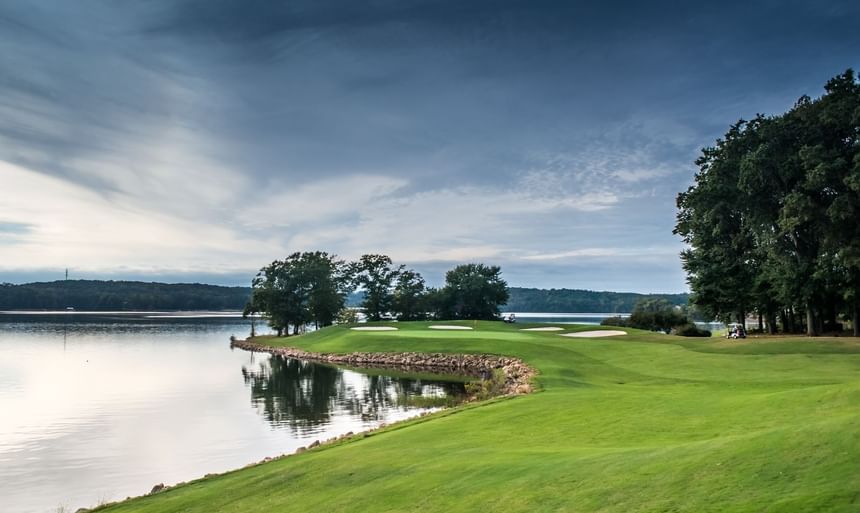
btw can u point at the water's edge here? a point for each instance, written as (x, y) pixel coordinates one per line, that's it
(519, 378)
(518, 375)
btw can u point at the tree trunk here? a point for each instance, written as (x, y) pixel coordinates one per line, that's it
(854, 320)
(810, 322)
(771, 323)
(760, 323)
(796, 324)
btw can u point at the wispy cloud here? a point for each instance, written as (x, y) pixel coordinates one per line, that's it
(586, 252)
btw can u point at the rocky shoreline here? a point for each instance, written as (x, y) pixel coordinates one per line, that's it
(518, 375)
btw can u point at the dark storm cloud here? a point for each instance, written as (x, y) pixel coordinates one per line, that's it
(443, 88)
(519, 99)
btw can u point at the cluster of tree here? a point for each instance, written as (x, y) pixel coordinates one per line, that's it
(312, 288)
(304, 288)
(574, 300)
(120, 295)
(658, 314)
(772, 219)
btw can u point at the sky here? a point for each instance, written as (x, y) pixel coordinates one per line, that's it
(198, 140)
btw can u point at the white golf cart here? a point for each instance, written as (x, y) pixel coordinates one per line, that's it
(736, 330)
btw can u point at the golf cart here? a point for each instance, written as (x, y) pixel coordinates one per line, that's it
(510, 318)
(736, 330)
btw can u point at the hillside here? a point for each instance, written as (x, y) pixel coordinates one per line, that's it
(137, 295)
(575, 300)
(121, 295)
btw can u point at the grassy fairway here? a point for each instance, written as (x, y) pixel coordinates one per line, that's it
(625, 424)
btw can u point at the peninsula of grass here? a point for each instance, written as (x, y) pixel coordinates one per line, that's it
(635, 423)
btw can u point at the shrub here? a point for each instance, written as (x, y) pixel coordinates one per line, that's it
(690, 330)
(656, 315)
(614, 321)
(490, 386)
(347, 316)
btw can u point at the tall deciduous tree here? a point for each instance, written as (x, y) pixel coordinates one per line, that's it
(711, 220)
(475, 291)
(376, 275)
(302, 288)
(408, 302)
(328, 283)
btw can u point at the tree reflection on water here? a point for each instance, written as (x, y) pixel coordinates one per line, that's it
(305, 396)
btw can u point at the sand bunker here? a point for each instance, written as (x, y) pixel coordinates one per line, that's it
(375, 328)
(448, 327)
(544, 328)
(595, 334)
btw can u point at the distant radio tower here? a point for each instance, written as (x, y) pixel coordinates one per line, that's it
(66, 292)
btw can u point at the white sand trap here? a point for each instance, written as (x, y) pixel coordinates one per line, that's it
(375, 328)
(544, 328)
(595, 334)
(448, 327)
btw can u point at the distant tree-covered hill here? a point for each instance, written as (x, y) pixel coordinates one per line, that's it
(136, 295)
(121, 295)
(566, 300)
(573, 300)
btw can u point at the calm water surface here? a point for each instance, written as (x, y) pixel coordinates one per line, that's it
(565, 318)
(95, 409)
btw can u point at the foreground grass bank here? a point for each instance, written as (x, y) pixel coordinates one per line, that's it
(624, 424)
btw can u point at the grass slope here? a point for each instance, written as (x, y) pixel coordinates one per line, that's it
(626, 424)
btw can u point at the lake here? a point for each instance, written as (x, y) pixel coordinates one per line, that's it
(96, 408)
(565, 318)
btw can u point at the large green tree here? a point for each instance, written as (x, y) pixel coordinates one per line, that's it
(474, 291)
(329, 281)
(309, 287)
(408, 302)
(834, 162)
(771, 220)
(712, 222)
(376, 275)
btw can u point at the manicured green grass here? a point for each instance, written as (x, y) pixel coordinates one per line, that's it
(636, 423)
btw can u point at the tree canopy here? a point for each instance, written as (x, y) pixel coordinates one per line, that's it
(376, 275)
(475, 291)
(771, 220)
(408, 302)
(304, 288)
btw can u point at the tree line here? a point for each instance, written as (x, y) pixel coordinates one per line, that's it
(135, 295)
(772, 217)
(120, 295)
(576, 300)
(310, 288)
